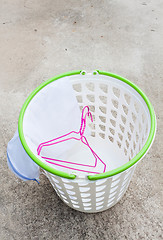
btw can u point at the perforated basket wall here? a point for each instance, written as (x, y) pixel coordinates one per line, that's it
(122, 118)
(92, 196)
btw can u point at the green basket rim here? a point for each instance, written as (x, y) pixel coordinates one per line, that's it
(96, 176)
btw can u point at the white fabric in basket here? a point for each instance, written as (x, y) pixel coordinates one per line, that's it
(52, 112)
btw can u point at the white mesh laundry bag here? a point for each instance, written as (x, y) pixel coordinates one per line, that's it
(122, 132)
(44, 119)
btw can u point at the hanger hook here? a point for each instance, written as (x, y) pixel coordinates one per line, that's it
(83, 119)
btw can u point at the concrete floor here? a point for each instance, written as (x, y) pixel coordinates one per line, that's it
(39, 39)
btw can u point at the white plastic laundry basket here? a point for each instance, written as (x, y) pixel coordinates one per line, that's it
(122, 133)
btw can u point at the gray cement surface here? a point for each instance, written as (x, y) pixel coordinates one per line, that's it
(40, 39)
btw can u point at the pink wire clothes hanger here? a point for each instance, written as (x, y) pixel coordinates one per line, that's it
(79, 137)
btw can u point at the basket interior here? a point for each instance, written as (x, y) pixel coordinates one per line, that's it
(121, 123)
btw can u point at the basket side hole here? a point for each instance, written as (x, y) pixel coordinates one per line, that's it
(116, 92)
(103, 99)
(114, 113)
(123, 119)
(119, 144)
(111, 139)
(84, 189)
(102, 127)
(86, 204)
(84, 195)
(113, 122)
(127, 144)
(98, 208)
(99, 203)
(102, 135)
(79, 99)
(86, 200)
(77, 87)
(104, 87)
(99, 194)
(127, 98)
(133, 117)
(92, 108)
(125, 109)
(91, 98)
(125, 151)
(102, 109)
(90, 86)
(103, 119)
(120, 136)
(115, 103)
(99, 199)
(87, 208)
(67, 186)
(122, 128)
(100, 188)
(129, 136)
(131, 127)
(112, 131)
